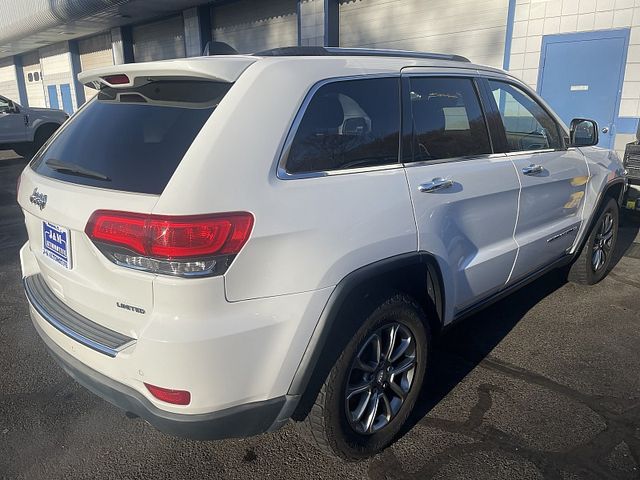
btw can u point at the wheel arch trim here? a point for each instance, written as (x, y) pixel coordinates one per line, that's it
(342, 294)
(602, 196)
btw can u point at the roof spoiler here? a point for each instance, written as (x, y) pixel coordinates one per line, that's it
(227, 69)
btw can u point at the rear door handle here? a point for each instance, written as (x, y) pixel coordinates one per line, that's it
(436, 184)
(533, 169)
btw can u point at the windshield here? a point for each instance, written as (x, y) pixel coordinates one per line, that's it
(131, 139)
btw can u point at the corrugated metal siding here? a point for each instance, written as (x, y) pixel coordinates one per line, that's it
(95, 52)
(35, 89)
(8, 82)
(21, 18)
(475, 29)
(253, 25)
(159, 40)
(56, 69)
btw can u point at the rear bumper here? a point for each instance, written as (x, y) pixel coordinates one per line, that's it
(236, 359)
(240, 421)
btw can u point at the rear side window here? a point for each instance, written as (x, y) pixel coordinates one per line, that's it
(447, 119)
(528, 126)
(131, 139)
(348, 124)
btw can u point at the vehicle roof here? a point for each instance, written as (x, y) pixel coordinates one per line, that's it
(228, 68)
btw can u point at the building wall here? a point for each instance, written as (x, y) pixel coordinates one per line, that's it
(35, 89)
(56, 70)
(253, 25)
(8, 81)
(311, 23)
(535, 18)
(475, 29)
(95, 52)
(159, 40)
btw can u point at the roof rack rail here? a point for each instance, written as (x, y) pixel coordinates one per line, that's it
(365, 52)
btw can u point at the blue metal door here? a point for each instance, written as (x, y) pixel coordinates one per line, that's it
(53, 96)
(65, 92)
(581, 75)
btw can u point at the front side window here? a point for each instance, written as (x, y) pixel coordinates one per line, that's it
(4, 105)
(447, 119)
(528, 126)
(348, 124)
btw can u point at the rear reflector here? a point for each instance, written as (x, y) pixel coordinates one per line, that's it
(177, 397)
(173, 245)
(120, 79)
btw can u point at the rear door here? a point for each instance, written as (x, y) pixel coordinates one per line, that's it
(116, 154)
(465, 197)
(553, 177)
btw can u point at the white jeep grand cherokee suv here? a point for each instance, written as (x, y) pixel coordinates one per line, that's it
(25, 129)
(220, 244)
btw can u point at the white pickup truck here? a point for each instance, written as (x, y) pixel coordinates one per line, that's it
(25, 129)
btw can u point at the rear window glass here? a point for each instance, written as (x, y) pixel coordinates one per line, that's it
(131, 139)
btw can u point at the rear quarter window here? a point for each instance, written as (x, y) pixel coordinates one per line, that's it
(131, 139)
(348, 124)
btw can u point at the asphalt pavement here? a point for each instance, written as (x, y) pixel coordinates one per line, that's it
(544, 384)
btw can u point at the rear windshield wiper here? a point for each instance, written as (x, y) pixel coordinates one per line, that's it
(73, 169)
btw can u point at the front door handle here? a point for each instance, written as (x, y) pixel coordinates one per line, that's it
(436, 184)
(533, 169)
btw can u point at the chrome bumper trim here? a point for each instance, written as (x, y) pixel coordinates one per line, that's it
(71, 323)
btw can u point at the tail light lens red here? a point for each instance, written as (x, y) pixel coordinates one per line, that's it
(177, 397)
(174, 245)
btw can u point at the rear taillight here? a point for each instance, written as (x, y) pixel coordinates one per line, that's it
(172, 245)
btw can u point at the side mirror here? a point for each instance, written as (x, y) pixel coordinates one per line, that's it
(583, 132)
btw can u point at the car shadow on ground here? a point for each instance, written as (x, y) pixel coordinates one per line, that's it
(461, 348)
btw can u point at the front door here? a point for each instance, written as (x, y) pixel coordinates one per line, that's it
(465, 198)
(581, 77)
(12, 125)
(553, 179)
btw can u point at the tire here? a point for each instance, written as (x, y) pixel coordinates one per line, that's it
(25, 150)
(594, 261)
(328, 426)
(28, 150)
(42, 135)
